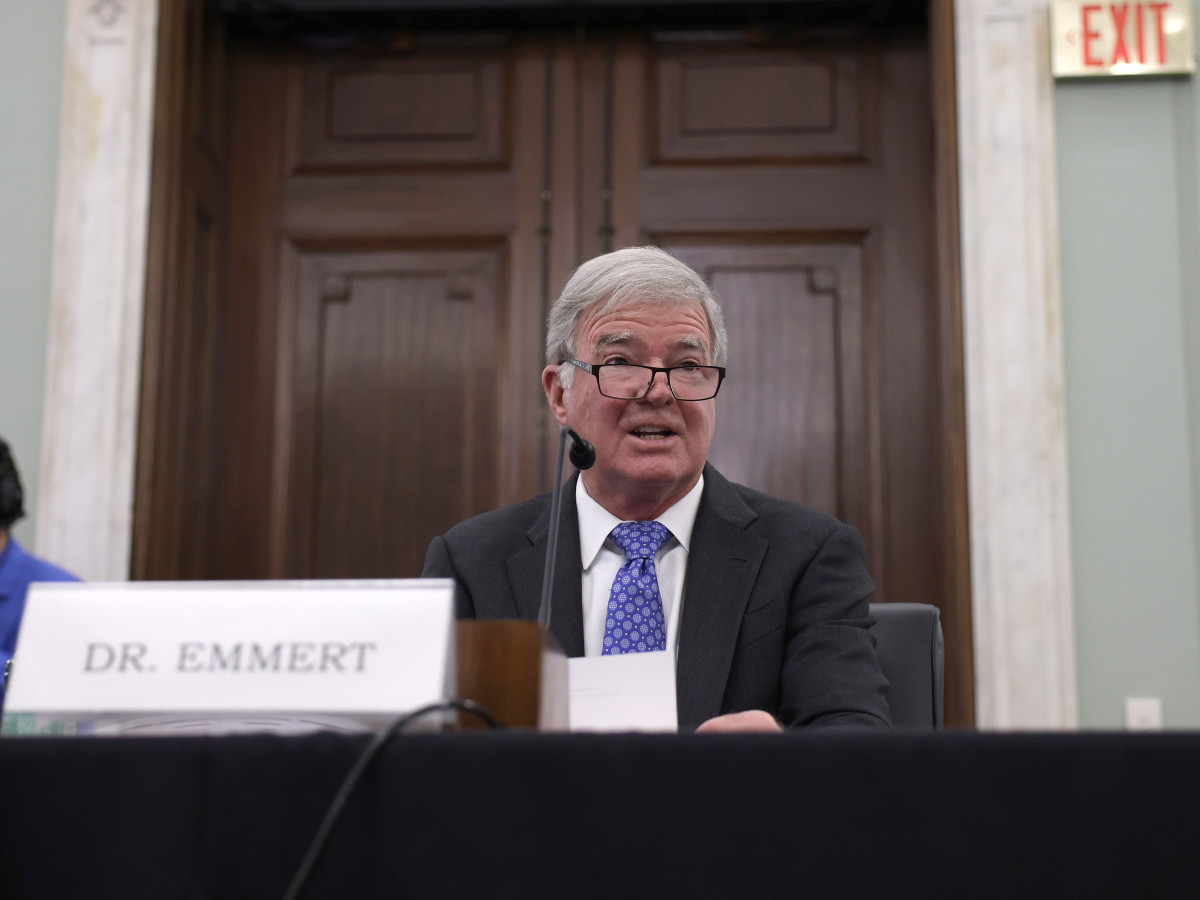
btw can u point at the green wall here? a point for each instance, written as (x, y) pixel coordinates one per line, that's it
(31, 63)
(1128, 206)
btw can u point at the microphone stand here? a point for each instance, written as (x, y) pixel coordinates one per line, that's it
(583, 455)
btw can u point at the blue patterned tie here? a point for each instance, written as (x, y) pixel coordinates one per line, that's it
(635, 621)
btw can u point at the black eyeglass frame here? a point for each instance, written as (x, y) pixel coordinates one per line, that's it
(594, 370)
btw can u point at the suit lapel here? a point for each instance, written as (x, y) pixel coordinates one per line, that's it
(723, 563)
(526, 568)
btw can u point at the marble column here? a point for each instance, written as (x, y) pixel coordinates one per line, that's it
(1012, 323)
(94, 352)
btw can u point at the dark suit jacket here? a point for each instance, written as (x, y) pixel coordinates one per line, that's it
(774, 602)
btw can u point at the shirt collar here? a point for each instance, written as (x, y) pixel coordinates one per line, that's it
(596, 522)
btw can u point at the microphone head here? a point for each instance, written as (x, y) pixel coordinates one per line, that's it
(582, 454)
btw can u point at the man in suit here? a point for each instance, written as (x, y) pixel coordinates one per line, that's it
(762, 602)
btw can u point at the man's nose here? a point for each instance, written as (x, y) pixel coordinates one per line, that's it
(660, 391)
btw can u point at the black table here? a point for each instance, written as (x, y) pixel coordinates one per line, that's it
(530, 815)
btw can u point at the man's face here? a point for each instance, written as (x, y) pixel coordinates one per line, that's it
(649, 452)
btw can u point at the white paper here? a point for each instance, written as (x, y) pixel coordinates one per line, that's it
(629, 692)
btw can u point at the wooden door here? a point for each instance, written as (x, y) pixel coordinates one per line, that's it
(797, 180)
(389, 262)
(400, 221)
(188, 244)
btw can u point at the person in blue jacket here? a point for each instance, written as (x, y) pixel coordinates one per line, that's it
(18, 569)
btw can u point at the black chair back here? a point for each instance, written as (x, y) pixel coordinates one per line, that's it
(908, 640)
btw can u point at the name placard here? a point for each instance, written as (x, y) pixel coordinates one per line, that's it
(229, 656)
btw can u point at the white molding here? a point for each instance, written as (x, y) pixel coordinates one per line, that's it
(1016, 413)
(94, 352)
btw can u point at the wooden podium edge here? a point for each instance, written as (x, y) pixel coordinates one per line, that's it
(515, 670)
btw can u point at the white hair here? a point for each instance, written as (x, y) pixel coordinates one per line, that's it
(633, 276)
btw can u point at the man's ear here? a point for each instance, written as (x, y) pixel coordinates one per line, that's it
(552, 385)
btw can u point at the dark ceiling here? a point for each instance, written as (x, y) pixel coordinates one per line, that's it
(289, 18)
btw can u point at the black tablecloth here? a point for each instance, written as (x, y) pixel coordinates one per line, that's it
(530, 815)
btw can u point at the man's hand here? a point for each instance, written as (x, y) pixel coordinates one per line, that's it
(750, 720)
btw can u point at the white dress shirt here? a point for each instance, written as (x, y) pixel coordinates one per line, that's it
(602, 558)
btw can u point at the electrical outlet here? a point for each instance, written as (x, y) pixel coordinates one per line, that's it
(1143, 713)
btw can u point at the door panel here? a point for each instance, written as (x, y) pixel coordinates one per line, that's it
(177, 442)
(436, 110)
(833, 395)
(397, 217)
(824, 268)
(793, 417)
(393, 425)
(749, 104)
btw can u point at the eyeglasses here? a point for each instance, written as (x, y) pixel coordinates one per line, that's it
(621, 381)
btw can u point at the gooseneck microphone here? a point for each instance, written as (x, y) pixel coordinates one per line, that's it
(583, 455)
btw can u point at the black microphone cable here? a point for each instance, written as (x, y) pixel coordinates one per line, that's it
(583, 456)
(355, 774)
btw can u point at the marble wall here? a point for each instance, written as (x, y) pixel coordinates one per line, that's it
(94, 348)
(1016, 414)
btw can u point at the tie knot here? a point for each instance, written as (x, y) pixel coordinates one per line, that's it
(640, 540)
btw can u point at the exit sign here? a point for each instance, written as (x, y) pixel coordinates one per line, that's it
(1147, 38)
